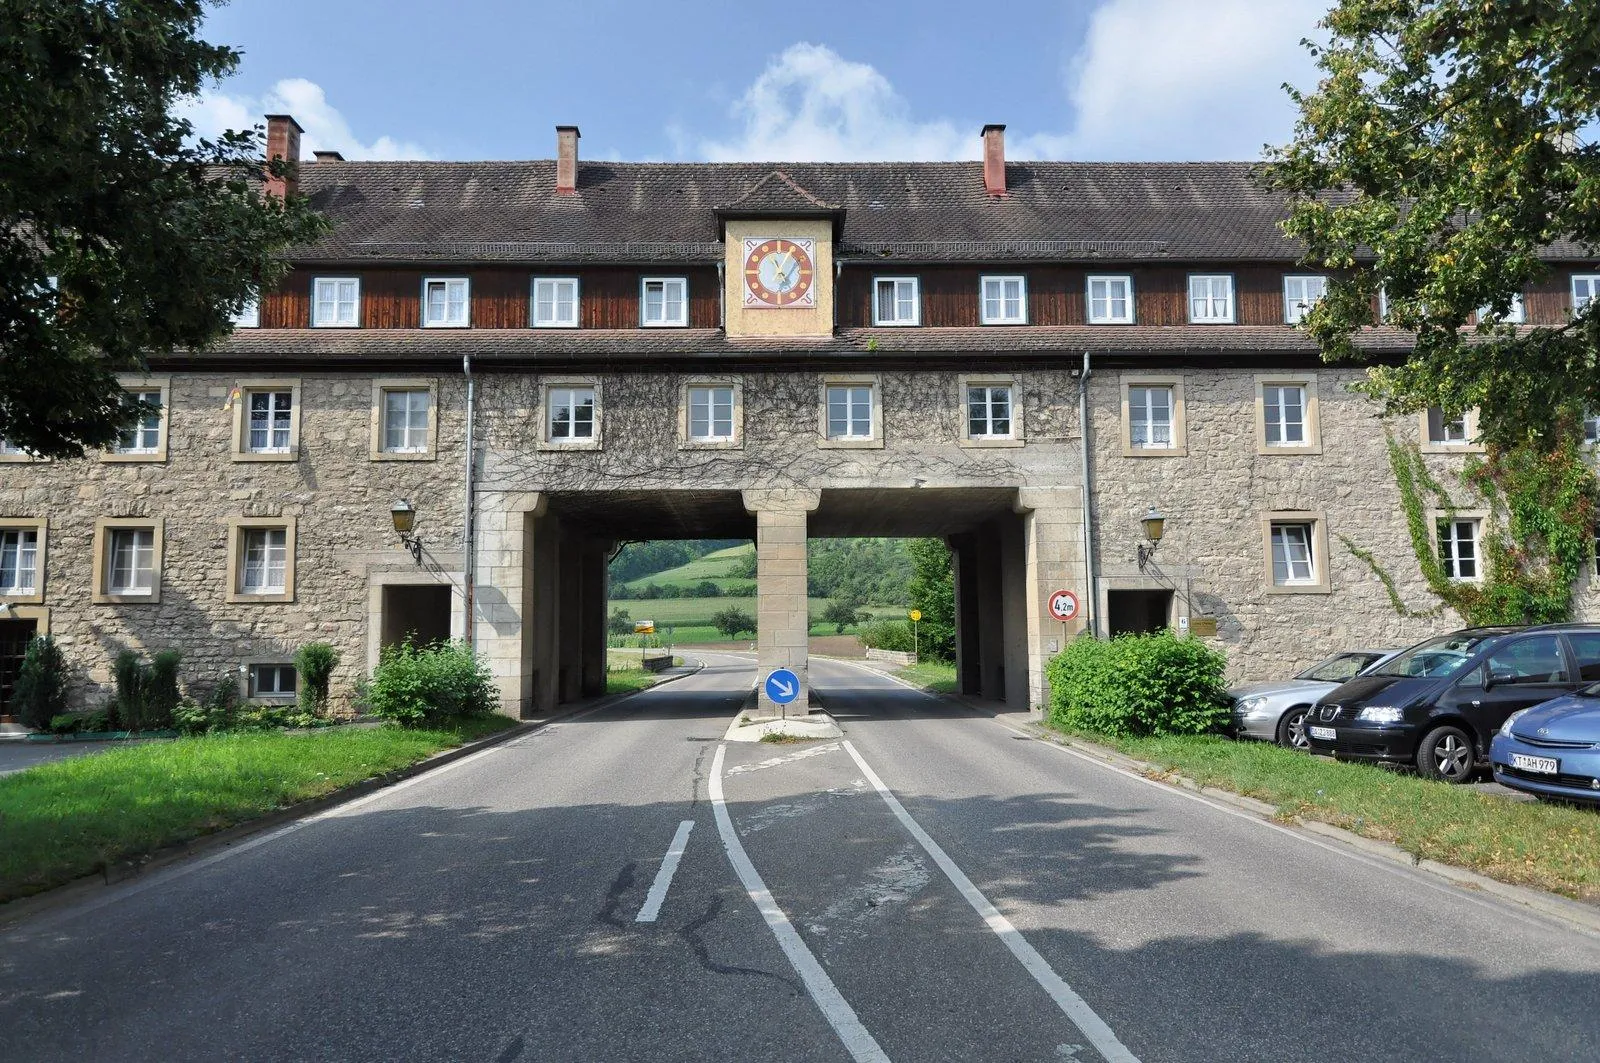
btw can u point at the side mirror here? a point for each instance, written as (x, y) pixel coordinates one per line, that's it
(1495, 678)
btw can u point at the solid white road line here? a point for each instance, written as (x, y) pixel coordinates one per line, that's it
(1070, 1003)
(663, 882)
(840, 1015)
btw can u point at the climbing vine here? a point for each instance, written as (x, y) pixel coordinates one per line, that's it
(1542, 504)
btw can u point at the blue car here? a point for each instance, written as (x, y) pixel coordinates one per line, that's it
(1553, 749)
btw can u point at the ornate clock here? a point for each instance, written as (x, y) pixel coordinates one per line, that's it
(779, 273)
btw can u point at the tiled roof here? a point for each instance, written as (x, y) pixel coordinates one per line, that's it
(776, 193)
(1053, 211)
(522, 345)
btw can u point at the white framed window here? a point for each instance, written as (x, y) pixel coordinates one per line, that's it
(336, 302)
(570, 414)
(1110, 300)
(131, 561)
(446, 302)
(1300, 294)
(1211, 298)
(896, 301)
(1458, 548)
(276, 680)
(1283, 409)
(1447, 431)
(1150, 417)
(989, 411)
(1004, 301)
(711, 413)
(144, 437)
(249, 315)
(555, 302)
(1515, 314)
(19, 561)
(269, 421)
(407, 420)
(264, 564)
(1585, 286)
(664, 302)
(849, 411)
(1294, 562)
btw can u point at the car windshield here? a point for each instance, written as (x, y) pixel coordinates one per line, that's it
(1339, 668)
(1436, 658)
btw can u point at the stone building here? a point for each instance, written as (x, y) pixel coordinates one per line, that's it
(537, 360)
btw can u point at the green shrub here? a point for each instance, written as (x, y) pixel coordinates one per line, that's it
(421, 686)
(315, 663)
(887, 635)
(40, 693)
(147, 694)
(65, 723)
(1138, 685)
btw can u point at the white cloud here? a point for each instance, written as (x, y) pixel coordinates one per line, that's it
(325, 128)
(1153, 79)
(1172, 79)
(811, 104)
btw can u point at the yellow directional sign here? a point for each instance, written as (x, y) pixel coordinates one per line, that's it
(915, 614)
(644, 627)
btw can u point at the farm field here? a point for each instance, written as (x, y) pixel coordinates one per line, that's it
(682, 620)
(718, 567)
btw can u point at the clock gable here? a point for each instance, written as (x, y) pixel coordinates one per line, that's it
(779, 277)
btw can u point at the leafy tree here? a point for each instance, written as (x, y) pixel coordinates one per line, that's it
(732, 621)
(933, 591)
(620, 622)
(844, 613)
(121, 236)
(1441, 155)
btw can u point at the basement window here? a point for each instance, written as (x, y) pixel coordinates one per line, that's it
(274, 681)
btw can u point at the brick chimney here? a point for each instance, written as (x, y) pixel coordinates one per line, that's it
(283, 142)
(328, 156)
(994, 159)
(566, 160)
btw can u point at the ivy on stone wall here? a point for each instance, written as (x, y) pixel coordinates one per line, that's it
(1539, 534)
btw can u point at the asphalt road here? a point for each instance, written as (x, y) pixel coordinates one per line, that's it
(997, 899)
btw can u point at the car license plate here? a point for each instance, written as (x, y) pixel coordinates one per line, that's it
(1542, 765)
(1327, 734)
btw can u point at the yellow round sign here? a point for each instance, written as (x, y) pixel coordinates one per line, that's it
(916, 614)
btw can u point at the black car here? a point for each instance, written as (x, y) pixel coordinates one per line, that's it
(1439, 704)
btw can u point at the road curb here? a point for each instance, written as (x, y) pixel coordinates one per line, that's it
(1575, 912)
(15, 911)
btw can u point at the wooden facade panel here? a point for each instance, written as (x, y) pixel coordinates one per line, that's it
(289, 304)
(1160, 296)
(392, 298)
(500, 298)
(1258, 295)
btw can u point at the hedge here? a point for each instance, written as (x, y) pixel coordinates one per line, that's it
(1136, 685)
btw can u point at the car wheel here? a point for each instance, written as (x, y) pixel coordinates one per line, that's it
(1292, 729)
(1446, 754)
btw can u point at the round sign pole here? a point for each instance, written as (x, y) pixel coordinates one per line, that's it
(916, 641)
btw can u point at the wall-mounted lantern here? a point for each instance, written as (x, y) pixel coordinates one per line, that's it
(405, 519)
(1155, 525)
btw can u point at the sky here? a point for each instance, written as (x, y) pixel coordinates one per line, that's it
(816, 80)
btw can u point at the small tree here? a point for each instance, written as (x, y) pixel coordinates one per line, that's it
(733, 621)
(620, 623)
(129, 675)
(161, 694)
(315, 664)
(842, 614)
(41, 688)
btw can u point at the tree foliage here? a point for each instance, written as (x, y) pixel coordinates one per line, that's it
(121, 235)
(733, 621)
(1440, 158)
(933, 591)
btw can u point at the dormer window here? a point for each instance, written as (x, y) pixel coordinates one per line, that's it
(896, 301)
(1111, 300)
(555, 302)
(445, 302)
(1300, 294)
(665, 303)
(336, 302)
(1005, 301)
(1211, 298)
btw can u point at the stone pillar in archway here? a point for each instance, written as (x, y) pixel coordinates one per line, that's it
(1053, 558)
(502, 606)
(783, 618)
(596, 557)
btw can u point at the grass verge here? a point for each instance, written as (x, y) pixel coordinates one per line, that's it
(1549, 847)
(628, 680)
(74, 817)
(939, 677)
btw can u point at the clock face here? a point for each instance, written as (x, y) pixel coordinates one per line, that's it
(779, 273)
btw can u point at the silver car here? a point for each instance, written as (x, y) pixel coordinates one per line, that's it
(1276, 712)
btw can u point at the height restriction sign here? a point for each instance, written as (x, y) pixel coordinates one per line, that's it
(1064, 606)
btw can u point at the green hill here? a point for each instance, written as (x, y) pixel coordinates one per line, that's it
(871, 571)
(725, 567)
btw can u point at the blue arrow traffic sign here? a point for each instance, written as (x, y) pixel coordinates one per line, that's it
(783, 686)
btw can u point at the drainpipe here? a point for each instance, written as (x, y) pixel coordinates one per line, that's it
(838, 273)
(470, 567)
(1091, 598)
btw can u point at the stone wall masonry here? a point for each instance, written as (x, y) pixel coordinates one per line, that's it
(1213, 500)
(339, 497)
